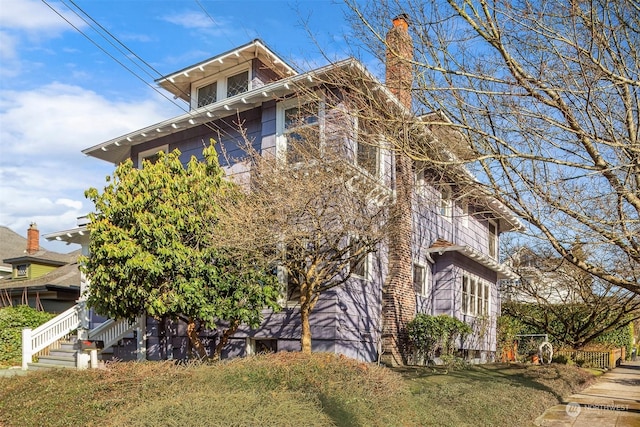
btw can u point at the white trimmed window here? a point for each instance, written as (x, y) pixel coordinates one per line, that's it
(299, 128)
(493, 239)
(476, 295)
(446, 202)
(359, 266)
(367, 149)
(216, 88)
(420, 279)
(21, 270)
(151, 155)
(465, 214)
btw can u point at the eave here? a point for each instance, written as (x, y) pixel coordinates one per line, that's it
(179, 82)
(504, 272)
(118, 149)
(77, 235)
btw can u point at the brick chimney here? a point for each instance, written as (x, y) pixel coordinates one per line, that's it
(33, 239)
(399, 73)
(398, 295)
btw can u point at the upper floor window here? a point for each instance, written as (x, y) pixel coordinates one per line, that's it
(446, 202)
(207, 94)
(368, 149)
(151, 155)
(21, 270)
(300, 130)
(493, 240)
(218, 87)
(238, 83)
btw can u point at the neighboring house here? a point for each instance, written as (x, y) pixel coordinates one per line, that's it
(454, 241)
(544, 280)
(42, 279)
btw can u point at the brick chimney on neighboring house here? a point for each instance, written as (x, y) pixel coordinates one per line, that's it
(33, 239)
(398, 295)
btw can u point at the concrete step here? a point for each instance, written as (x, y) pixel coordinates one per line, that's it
(62, 352)
(64, 361)
(44, 366)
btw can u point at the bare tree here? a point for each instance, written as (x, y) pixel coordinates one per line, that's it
(546, 98)
(314, 214)
(555, 297)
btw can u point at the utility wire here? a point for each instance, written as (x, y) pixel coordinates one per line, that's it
(209, 125)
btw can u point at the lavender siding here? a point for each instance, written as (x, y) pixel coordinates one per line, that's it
(346, 320)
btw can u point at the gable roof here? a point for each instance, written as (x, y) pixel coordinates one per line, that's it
(179, 82)
(11, 245)
(66, 276)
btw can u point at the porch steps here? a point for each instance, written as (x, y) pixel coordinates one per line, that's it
(58, 358)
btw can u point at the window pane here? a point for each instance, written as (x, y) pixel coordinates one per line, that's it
(208, 94)
(358, 263)
(238, 84)
(418, 279)
(465, 294)
(492, 240)
(367, 151)
(302, 132)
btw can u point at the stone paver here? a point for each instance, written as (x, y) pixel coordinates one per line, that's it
(613, 401)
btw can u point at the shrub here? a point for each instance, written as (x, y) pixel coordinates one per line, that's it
(430, 334)
(12, 321)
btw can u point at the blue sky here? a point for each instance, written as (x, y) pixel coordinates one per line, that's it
(60, 93)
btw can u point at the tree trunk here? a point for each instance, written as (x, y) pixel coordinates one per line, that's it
(194, 339)
(305, 337)
(233, 327)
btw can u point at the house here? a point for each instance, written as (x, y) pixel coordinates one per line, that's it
(42, 279)
(443, 257)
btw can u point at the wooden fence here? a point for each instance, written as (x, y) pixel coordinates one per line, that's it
(597, 359)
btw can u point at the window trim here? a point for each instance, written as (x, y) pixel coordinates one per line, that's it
(476, 300)
(281, 131)
(221, 80)
(378, 153)
(366, 262)
(424, 288)
(150, 152)
(26, 271)
(445, 208)
(492, 241)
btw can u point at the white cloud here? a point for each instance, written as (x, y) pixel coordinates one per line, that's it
(35, 16)
(43, 174)
(190, 19)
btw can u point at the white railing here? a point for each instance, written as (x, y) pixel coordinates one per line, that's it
(35, 340)
(112, 331)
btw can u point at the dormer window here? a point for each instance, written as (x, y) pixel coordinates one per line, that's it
(220, 86)
(21, 270)
(238, 83)
(208, 94)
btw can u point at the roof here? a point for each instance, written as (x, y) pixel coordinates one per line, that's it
(66, 276)
(11, 245)
(441, 246)
(179, 82)
(13, 249)
(118, 149)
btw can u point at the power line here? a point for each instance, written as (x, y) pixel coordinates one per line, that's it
(210, 125)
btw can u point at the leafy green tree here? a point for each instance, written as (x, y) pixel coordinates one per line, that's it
(152, 249)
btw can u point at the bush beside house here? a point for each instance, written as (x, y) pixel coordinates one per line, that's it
(12, 321)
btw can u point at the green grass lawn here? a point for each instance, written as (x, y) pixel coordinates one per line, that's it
(285, 389)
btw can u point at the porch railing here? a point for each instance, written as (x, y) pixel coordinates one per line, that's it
(36, 340)
(112, 331)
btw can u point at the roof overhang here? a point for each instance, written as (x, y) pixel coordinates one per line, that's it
(37, 260)
(79, 235)
(504, 272)
(179, 83)
(118, 149)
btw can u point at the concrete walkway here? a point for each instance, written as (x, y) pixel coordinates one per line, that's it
(613, 401)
